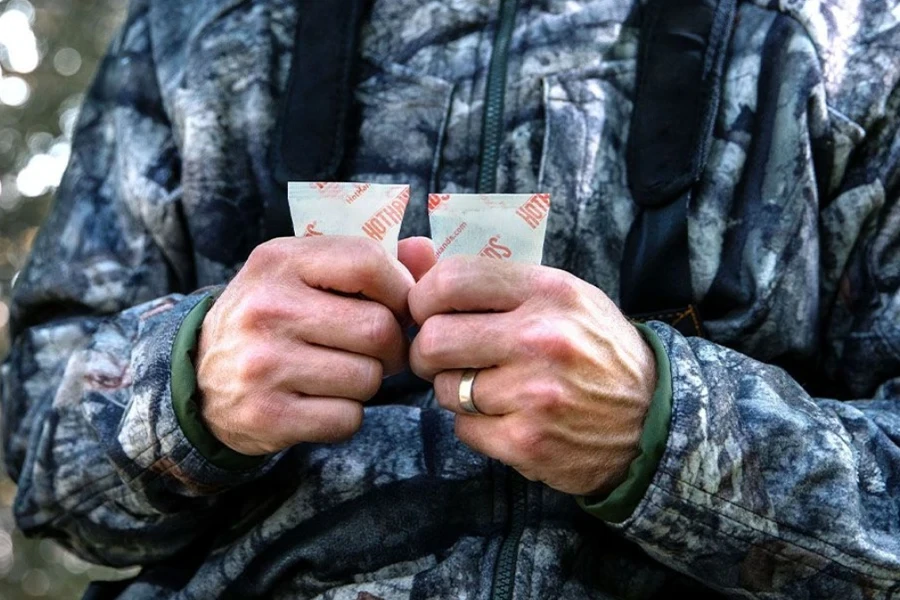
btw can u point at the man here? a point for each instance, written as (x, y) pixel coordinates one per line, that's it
(191, 390)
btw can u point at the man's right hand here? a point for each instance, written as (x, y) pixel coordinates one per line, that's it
(300, 339)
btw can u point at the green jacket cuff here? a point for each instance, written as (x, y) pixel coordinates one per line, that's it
(622, 501)
(184, 396)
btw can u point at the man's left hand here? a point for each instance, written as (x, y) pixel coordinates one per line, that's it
(564, 380)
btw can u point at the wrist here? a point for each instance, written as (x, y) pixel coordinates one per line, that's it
(187, 398)
(635, 399)
(618, 504)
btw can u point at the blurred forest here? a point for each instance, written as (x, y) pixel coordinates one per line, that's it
(49, 51)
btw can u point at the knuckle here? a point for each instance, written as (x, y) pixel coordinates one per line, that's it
(364, 246)
(259, 310)
(446, 392)
(265, 254)
(534, 334)
(428, 341)
(370, 257)
(381, 329)
(259, 415)
(548, 396)
(558, 286)
(528, 442)
(370, 378)
(253, 365)
(548, 338)
(446, 276)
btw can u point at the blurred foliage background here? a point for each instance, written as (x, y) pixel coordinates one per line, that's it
(49, 51)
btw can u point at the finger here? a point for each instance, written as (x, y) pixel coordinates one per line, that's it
(347, 264)
(269, 424)
(353, 324)
(417, 255)
(494, 391)
(461, 341)
(470, 284)
(489, 436)
(331, 373)
(325, 420)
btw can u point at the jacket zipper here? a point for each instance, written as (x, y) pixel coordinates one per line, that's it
(492, 130)
(505, 572)
(491, 134)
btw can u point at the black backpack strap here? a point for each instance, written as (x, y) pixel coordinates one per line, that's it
(683, 48)
(311, 134)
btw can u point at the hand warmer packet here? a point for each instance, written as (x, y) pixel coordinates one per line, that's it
(501, 226)
(365, 209)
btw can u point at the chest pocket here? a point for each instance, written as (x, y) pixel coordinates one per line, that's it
(396, 133)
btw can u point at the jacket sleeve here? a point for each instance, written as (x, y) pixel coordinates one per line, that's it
(90, 434)
(766, 491)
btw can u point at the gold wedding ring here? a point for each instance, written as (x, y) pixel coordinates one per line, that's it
(466, 391)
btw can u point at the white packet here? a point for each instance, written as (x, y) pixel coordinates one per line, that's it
(364, 209)
(501, 226)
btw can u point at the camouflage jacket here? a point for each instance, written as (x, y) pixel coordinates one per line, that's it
(775, 483)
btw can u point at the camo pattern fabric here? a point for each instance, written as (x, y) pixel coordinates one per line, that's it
(781, 477)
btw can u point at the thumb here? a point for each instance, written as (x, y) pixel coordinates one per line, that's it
(417, 255)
